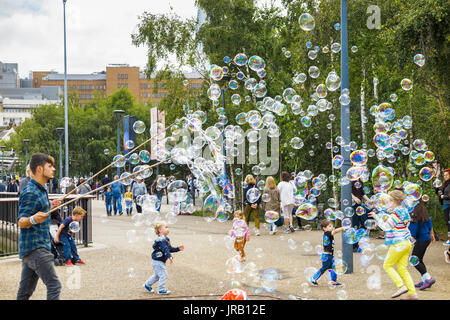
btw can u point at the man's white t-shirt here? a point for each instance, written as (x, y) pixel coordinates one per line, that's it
(286, 190)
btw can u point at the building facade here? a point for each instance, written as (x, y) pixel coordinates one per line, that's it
(107, 82)
(9, 75)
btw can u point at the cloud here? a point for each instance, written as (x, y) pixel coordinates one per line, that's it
(98, 32)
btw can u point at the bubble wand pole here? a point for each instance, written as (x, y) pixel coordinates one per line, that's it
(114, 162)
(106, 185)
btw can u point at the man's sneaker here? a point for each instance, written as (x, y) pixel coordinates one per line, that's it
(291, 229)
(257, 233)
(120, 213)
(298, 229)
(427, 284)
(419, 284)
(69, 263)
(313, 282)
(287, 231)
(446, 243)
(149, 289)
(80, 262)
(164, 292)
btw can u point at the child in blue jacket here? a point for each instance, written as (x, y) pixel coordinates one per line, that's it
(162, 252)
(108, 201)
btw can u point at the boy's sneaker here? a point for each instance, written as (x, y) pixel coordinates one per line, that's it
(336, 284)
(418, 285)
(446, 243)
(80, 262)
(164, 292)
(313, 282)
(447, 256)
(427, 284)
(149, 289)
(68, 263)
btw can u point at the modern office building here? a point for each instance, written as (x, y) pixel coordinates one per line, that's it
(107, 82)
(9, 75)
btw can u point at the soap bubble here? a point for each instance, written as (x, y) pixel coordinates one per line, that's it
(337, 161)
(306, 22)
(271, 216)
(216, 72)
(144, 156)
(253, 195)
(419, 59)
(139, 127)
(307, 211)
(121, 161)
(426, 174)
(406, 84)
(74, 226)
(240, 59)
(314, 72)
(381, 251)
(256, 63)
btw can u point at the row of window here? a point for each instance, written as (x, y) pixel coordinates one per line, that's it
(122, 85)
(153, 85)
(122, 76)
(13, 110)
(155, 95)
(86, 96)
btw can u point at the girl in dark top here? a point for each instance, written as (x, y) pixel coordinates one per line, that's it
(251, 206)
(421, 230)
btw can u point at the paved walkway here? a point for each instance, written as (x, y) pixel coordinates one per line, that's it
(117, 269)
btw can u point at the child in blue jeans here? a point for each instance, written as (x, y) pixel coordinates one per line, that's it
(327, 257)
(64, 234)
(162, 252)
(108, 201)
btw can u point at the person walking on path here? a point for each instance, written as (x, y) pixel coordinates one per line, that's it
(84, 188)
(287, 190)
(251, 203)
(138, 189)
(26, 180)
(12, 186)
(271, 202)
(118, 191)
(34, 239)
(421, 230)
(444, 198)
(398, 238)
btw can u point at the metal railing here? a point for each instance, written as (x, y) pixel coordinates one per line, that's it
(9, 229)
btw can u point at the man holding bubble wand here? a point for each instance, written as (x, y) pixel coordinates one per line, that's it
(34, 223)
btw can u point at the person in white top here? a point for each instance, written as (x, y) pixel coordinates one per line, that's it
(287, 190)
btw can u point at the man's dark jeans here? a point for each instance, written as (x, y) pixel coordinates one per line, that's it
(39, 263)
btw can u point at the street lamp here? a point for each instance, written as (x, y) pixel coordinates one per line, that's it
(346, 190)
(66, 120)
(60, 132)
(2, 148)
(26, 142)
(118, 114)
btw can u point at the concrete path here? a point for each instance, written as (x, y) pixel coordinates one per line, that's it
(117, 269)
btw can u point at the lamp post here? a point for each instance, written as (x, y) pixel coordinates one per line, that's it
(66, 120)
(346, 190)
(60, 132)
(2, 148)
(26, 142)
(118, 114)
(226, 78)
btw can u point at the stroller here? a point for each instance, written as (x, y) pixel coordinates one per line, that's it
(58, 252)
(56, 248)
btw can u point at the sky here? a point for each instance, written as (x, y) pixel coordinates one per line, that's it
(98, 32)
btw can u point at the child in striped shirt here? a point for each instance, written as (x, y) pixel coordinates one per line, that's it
(398, 237)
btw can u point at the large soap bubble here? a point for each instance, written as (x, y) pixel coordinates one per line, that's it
(306, 22)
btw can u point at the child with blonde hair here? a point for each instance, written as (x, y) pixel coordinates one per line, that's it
(398, 238)
(161, 253)
(240, 233)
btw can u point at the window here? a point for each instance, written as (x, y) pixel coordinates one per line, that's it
(118, 76)
(126, 75)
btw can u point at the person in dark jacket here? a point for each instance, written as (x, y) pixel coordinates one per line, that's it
(161, 253)
(421, 230)
(12, 186)
(24, 181)
(251, 202)
(443, 193)
(2, 186)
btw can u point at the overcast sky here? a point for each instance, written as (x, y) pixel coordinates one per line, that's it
(98, 32)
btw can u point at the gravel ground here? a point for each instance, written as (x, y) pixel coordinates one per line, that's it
(116, 269)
